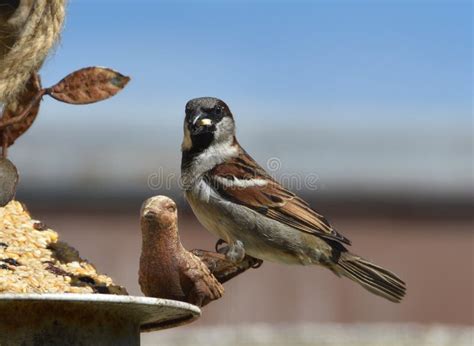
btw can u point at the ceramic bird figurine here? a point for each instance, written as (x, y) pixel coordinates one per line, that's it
(236, 200)
(167, 269)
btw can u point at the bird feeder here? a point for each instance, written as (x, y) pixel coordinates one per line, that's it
(86, 319)
(52, 296)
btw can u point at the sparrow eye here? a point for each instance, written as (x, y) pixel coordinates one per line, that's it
(217, 110)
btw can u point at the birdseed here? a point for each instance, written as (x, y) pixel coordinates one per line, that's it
(33, 260)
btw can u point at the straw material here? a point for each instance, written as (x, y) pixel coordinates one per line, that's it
(26, 37)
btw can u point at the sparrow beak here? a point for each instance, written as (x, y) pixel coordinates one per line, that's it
(205, 122)
(201, 124)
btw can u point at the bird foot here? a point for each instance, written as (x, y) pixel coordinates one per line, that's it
(235, 252)
(257, 263)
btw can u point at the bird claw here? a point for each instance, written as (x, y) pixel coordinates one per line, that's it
(257, 263)
(219, 243)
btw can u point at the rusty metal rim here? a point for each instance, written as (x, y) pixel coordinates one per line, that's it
(152, 306)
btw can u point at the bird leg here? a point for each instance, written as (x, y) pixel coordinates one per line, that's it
(255, 262)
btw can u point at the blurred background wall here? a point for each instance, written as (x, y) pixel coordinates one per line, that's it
(364, 108)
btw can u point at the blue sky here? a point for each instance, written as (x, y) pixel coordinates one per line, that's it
(358, 76)
(390, 60)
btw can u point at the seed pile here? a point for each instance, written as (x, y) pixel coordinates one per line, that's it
(32, 260)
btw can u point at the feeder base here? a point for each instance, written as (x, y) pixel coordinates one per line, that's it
(86, 319)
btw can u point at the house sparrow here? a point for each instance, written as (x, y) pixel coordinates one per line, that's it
(236, 200)
(167, 269)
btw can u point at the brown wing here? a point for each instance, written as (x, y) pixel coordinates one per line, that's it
(271, 199)
(205, 287)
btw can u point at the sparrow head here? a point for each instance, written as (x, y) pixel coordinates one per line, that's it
(160, 211)
(208, 120)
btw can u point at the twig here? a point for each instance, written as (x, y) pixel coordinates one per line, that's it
(4, 143)
(12, 121)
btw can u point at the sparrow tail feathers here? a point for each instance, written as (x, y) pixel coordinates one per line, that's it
(375, 279)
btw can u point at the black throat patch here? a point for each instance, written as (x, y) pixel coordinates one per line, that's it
(199, 143)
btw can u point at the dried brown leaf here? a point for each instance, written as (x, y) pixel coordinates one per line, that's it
(88, 85)
(15, 108)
